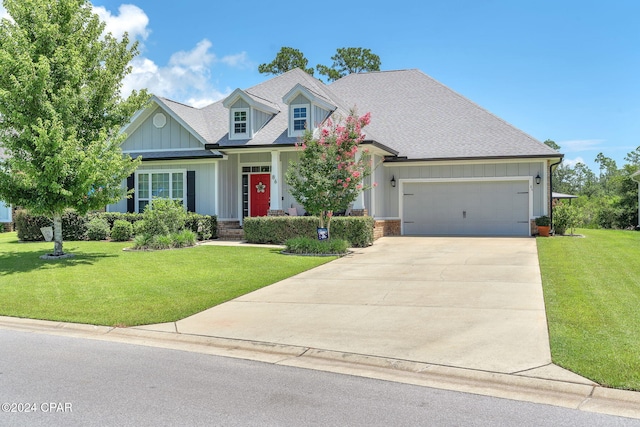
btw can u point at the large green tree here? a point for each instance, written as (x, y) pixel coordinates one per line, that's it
(287, 59)
(61, 110)
(349, 60)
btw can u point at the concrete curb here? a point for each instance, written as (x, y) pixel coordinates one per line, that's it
(575, 395)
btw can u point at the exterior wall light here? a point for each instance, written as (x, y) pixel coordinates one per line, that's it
(538, 179)
(393, 181)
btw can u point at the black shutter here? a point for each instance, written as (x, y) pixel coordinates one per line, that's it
(191, 191)
(131, 202)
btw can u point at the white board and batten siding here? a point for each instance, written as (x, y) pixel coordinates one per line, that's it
(171, 136)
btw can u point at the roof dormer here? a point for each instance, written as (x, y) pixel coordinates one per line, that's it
(307, 109)
(247, 114)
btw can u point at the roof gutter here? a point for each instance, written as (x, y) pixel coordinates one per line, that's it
(404, 159)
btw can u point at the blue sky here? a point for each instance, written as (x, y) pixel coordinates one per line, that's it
(557, 69)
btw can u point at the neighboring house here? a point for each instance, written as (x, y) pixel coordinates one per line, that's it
(445, 165)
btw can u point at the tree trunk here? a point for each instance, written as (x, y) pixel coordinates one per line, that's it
(57, 235)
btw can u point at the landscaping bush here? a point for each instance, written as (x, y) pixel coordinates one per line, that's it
(310, 246)
(112, 217)
(121, 231)
(142, 241)
(166, 217)
(74, 226)
(205, 226)
(28, 226)
(183, 239)
(98, 229)
(358, 230)
(278, 229)
(161, 242)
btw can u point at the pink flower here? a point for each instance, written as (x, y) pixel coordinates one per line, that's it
(345, 185)
(375, 184)
(348, 179)
(356, 174)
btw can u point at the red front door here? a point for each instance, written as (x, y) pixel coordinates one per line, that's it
(259, 194)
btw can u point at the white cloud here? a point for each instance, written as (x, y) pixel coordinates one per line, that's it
(130, 19)
(578, 145)
(572, 162)
(186, 78)
(239, 60)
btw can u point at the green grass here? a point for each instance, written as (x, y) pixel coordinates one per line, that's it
(592, 296)
(104, 285)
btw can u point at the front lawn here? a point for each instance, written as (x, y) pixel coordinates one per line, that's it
(592, 296)
(104, 285)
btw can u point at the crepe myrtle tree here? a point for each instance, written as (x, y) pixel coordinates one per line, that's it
(332, 167)
(61, 110)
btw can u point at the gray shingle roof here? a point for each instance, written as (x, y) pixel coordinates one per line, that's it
(423, 119)
(411, 113)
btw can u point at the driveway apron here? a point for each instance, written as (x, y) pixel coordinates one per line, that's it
(474, 303)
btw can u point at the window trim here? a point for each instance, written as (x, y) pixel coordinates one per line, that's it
(292, 119)
(232, 123)
(160, 171)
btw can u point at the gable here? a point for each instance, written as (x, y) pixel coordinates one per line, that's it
(157, 133)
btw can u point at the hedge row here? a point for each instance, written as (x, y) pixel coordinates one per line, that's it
(357, 230)
(74, 226)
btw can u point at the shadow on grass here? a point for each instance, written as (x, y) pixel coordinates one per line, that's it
(24, 262)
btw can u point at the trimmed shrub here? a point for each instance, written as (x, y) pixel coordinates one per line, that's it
(358, 230)
(121, 231)
(278, 229)
(205, 226)
(98, 229)
(309, 246)
(74, 226)
(112, 217)
(28, 226)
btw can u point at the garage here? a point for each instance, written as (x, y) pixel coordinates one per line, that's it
(466, 207)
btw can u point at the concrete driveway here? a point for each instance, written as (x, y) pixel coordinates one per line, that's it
(473, 303)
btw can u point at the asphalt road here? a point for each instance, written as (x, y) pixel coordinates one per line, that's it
(48, 380)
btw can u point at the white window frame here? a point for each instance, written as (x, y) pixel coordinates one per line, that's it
(149, 199)
(293, 119)
(232, 124)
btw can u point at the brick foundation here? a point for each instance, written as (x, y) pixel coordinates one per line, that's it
(386, 227)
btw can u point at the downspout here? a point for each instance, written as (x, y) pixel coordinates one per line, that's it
(551, 191)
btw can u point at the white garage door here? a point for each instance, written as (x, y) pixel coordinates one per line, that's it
(466, 208)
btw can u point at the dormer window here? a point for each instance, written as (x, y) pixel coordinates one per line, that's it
(300, 118)
(307, 109)
(240, 122)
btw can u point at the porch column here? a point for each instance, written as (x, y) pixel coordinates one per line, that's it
(275, 201)
(358, 203)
